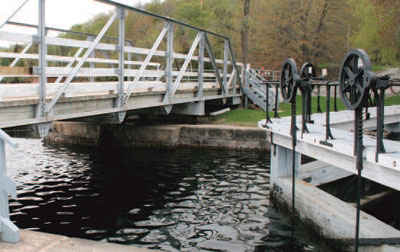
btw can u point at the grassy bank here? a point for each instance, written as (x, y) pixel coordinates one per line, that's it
(250, 117)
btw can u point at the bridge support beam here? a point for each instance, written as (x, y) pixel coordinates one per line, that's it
(9, 232)
(41, 109)
(195, 109)
(281, 163)
(393, 127)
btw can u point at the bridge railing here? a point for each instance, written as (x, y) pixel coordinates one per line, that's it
(101, 64)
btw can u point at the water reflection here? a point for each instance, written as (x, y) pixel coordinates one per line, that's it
(174, 200)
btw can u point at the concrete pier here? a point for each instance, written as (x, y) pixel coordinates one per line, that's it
(177, 135)
(32, 241)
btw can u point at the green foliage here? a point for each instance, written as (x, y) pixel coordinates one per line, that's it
(378, 31)
(250, 117)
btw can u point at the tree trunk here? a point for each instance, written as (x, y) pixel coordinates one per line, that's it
(245, 30)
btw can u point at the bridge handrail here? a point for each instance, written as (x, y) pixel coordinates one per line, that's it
(63, 31)
(167, 19)
(226, 73)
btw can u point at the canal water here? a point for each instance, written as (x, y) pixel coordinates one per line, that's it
(174, 200)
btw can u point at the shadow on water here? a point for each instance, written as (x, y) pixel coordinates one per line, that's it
(174, 200)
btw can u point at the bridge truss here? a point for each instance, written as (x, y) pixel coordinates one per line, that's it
(106, 77)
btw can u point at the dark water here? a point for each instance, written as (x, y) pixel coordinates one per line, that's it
(174, 200)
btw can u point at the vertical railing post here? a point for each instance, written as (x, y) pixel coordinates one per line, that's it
(130, 59)
(225, 74)
(121, 50)
(41, 111)
(170, 59)
(92, 55)
(201, 67)
(9, 232)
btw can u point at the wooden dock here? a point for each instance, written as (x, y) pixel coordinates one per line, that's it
(335, 159)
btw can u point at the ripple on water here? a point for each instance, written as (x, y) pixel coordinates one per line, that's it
(179, 200)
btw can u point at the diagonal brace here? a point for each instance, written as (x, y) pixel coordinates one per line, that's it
(80, 50)
(185, 64)
(145, 63)
(235, 65)
(82, 61)
(13, 14)
(214, 63)
(17, 59)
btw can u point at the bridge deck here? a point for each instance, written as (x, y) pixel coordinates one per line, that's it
(95, 99)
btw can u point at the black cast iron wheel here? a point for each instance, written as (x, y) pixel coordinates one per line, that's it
(308, 71)
(289, 80)
(354, 78)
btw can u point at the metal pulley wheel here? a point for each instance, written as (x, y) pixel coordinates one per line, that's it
(307, 71)
(289, 80)
(355, 78)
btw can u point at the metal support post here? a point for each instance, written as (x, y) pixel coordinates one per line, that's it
(170, 61)
(267, 118)
(121, 64)
(328, 133)
(201, 67)
(9, 232)
(92, 64)
(41, 110)
(225, 73)
(130, 43)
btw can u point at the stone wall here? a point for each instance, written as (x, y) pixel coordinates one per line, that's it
(199, 136)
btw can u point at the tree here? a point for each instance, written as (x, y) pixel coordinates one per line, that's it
(378, 29)
(245, 30)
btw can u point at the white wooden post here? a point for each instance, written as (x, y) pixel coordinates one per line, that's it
(9, 232)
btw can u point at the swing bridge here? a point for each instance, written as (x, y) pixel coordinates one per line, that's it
(107, 79)
(93, 77)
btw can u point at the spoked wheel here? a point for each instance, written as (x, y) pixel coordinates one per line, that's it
(354, 78)
(308, 71)
(289, 80)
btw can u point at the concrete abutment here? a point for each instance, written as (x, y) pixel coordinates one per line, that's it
(173, 136)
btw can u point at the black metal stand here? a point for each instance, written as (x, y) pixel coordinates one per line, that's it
(276, 101)
(328, 132)
(335, 97)
(304, 86)
(319, 110)
(309, 103)
(268, 119)
(294, 140)
(358, 149)
(381, 85)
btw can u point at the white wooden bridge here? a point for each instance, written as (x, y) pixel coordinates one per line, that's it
(106, 78)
